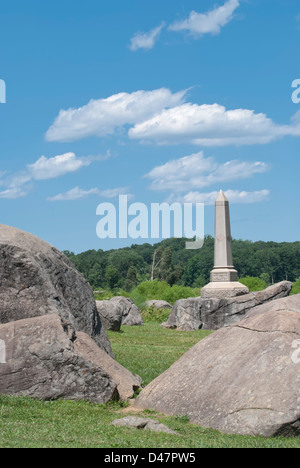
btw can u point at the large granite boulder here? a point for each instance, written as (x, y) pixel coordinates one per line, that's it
(211, 314)
(37, 279)
(45, 358)
(244, 378)
(119, 311)
(126, 382)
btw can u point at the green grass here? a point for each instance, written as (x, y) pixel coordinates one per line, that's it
(150, 350)
(147, 351)
(26, 423)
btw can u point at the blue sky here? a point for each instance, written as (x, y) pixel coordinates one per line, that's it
(165, 101)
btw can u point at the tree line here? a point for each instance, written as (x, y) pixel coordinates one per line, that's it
(169, 261)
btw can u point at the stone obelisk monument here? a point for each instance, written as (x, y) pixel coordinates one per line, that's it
(224, 278)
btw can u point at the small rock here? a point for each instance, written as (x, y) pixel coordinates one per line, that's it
(158, 304)
(143, 424)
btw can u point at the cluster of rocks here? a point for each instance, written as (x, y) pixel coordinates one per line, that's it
(242, 379)
(211, 314)
(52, 341)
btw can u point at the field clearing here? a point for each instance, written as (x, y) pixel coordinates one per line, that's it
(147, 351)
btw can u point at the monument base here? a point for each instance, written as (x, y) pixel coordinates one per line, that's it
(223, 290)
(224, 275)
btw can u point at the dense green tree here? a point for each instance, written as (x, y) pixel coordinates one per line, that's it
(131, 279)
(112, 277)
(269, 261)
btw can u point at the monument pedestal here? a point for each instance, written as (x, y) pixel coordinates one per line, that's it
(223, 290)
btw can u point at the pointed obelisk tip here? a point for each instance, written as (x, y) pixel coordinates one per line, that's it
(221, 197)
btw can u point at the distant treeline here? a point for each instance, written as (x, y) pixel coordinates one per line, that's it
(171, 262)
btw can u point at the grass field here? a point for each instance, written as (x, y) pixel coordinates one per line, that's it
(146, 351)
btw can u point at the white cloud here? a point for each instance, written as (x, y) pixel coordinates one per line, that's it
(19, 185)
(234, 196)
(77, 194)
(211, 22)
(196, 171)
(44, 168)
(147, 40)
(211, 125)
(13, 193)
(163, 118)
(113, 193)
(103, 117)
(74, 194)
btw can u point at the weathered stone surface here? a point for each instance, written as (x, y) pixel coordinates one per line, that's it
(131, 314)
(110, 314)
(37, 279)
(242, 379)
(212, 314)
(43, 357)
(38, 360)
(143, 424)
(119, 311)
(223, 290)
(156, 304)
(126, 383)
(186, 315)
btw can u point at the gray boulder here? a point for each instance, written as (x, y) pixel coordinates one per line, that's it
(143, 424)
(111, 315)
(119, 311)
(242, 379)
(44, 358)
(156, 304)
(131, 314)
(37, 279)
(126, 383)
(212, 314)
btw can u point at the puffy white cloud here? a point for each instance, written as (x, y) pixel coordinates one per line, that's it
(19, 185)
(196, 171)
(147, 40)
(234, 196)
(207, 23)
(51, 168)
(211, 125)
(103, 116)
(164, 118)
